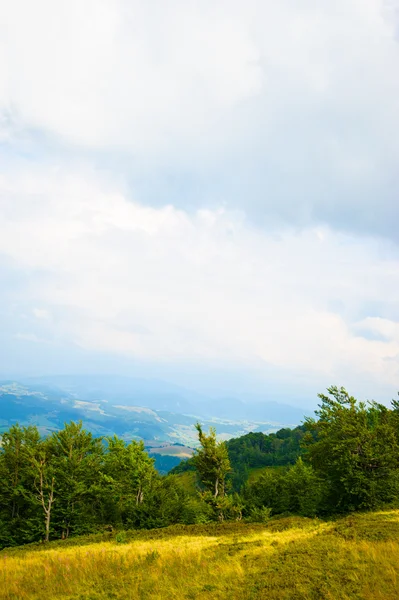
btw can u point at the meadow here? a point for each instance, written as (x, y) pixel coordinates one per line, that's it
(355, 557)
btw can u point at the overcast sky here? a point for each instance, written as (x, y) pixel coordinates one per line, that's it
(202, 190)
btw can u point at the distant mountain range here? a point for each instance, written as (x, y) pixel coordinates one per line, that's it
(165, 396)
(161, 414)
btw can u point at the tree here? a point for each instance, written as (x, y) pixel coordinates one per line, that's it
(267, 491)
(44, 472)
(303, 489)
(18, 511)
(77, 457)
(353, 446)
(128, 473)
(212, 462)
(16, 445)
(164, 503)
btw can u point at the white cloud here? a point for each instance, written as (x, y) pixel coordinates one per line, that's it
(157, 78)
(41, 314)
(123, 73)
(29, 337)
(163, 285)
(285, 110)
(210, 116)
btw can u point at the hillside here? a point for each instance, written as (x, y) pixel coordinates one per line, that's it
(254, 452)
(355, 557)
(162, 395)
(49, 407)
(71, 483)
(129, 408)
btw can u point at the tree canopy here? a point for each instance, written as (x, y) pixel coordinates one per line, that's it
(344, 459)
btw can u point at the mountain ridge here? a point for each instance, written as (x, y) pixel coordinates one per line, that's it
(104, 410)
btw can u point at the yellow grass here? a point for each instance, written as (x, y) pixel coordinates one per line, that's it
(292, 558)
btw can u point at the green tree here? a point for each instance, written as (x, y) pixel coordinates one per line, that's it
(128, 475)
(16, 447)
(255, 450)
(303, 489)
(40, 458)
(353, 446)
(268, 490)
(212, 462)
(19, 512)
(77, 458)
(163, 505)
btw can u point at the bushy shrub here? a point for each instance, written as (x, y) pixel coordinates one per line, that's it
(196, 511)
(259, 515)
(296, 490)
(121, 537)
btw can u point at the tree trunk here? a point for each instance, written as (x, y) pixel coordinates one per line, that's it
(15, 509)
(47, 505)
(48, 518)
(139, 497)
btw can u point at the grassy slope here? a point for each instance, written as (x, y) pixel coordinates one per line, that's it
(292, 558)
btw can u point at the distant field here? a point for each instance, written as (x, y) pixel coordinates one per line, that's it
(171, 450)
(288, 559)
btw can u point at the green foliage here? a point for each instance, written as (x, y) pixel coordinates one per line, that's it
(349, 462)
(212, 462)
(78, 461)
(19, 512)
(71, 483)
(121, 537)
(195, 511)
(127, 476)
(296, 489)
(223, 508)
(303, 490)
(256, 450)
(253, 451)
(354, 447)
(259, 515)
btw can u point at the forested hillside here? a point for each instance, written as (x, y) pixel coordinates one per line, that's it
(255, 450)
(70, 482)
(127, 416)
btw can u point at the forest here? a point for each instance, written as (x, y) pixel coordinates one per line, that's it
(344, 459)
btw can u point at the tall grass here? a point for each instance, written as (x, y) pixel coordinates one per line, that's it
(292, 558)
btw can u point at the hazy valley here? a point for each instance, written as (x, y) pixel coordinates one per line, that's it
(160, 414)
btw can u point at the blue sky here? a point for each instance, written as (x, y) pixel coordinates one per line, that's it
(205, 191)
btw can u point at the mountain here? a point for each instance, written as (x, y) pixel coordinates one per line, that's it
(165, 396)
(159, 413)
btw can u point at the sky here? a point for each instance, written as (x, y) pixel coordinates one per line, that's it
(203, 191)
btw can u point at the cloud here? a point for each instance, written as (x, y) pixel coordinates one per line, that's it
(202, 182)
(164, 285)
(285, 110)
(41, 314)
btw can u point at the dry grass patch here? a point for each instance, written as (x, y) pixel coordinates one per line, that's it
(293, 559)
